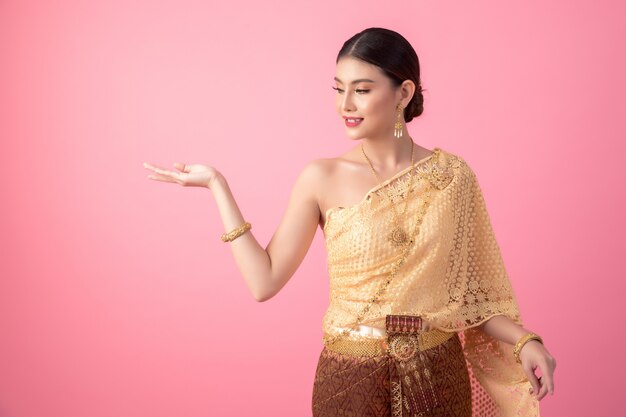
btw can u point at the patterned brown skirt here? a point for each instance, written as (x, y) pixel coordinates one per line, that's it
(359, 386)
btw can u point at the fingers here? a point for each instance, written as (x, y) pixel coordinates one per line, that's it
(547, 373)
(181, 167)
(532, 378)
(161, 178)
(547, 384)
(544, 384)
(162, 174)
(544, 389)
(157, 170)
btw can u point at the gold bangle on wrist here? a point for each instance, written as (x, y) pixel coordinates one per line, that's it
(235, 233)
(522, 341)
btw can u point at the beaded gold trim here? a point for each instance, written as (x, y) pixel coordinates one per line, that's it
(369, 346)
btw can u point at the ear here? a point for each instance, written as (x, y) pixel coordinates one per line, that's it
(407, 89)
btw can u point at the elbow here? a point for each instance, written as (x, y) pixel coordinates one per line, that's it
(262, 296)
(265, 291)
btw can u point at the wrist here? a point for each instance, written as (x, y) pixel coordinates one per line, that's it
(523, 341)
(218, 181)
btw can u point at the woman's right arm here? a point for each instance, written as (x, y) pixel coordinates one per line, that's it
(267, 270)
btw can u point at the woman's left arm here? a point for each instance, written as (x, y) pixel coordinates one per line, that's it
(533, 355)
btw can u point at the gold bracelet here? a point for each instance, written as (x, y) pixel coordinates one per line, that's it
(235, 233)
(522, 341)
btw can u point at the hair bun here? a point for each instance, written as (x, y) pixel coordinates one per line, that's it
(416, 106)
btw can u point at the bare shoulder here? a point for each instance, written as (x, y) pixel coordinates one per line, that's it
(315, 180)
(321, 170)
(342, 164)
(312, 179)
(313, 173)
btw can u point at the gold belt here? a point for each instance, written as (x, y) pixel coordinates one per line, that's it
(377, 346)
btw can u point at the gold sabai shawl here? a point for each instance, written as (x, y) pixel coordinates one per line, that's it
(454, 276)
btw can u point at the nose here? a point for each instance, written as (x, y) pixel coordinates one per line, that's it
(347, 104)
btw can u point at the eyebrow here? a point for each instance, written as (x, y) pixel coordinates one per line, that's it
(365, 80)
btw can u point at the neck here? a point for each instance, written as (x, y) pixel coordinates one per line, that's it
(388, 153)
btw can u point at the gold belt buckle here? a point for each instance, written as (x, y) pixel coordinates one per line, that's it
(403, 346)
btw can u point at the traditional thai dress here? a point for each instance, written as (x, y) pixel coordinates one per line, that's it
(453, 277)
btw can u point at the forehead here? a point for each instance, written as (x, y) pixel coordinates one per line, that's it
(349, 68)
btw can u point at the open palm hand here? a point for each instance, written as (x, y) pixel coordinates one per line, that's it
(194, 175)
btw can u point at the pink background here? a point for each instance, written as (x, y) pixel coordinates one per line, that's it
(117, 297)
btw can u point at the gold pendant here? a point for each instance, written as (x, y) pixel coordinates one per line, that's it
(399, 237)
(403, 346)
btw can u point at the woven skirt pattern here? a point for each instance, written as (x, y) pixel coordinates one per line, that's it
(356, 386)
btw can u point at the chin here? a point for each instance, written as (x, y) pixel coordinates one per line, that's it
(353, 136)
(356, 135)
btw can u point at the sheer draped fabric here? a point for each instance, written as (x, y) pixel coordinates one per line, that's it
(454, 276)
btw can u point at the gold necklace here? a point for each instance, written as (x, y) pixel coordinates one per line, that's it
(398, 236)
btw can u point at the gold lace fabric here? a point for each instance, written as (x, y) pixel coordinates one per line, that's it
(454, 276)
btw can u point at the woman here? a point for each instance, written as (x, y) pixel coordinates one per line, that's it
(422, 317)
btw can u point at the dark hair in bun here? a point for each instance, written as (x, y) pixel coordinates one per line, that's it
(392, 53)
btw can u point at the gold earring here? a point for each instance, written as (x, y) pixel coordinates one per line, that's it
(397, 131)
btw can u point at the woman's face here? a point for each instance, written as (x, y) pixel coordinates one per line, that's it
(366, 99)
